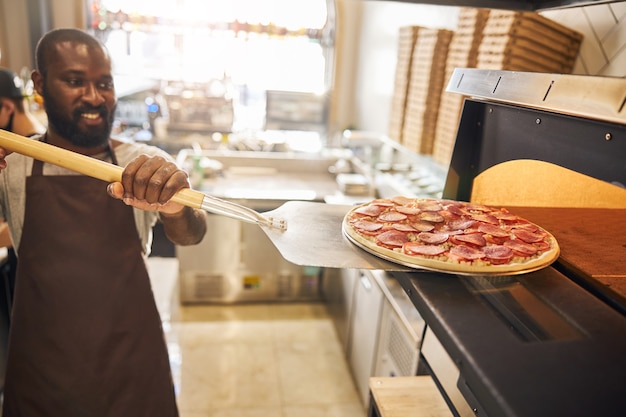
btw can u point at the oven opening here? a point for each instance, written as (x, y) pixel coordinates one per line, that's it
(526, 315)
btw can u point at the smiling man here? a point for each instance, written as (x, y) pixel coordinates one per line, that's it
(86, 336)
(80, 110)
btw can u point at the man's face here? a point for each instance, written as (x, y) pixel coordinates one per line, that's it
(79, 94)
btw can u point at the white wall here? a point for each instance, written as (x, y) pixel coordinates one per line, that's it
(15, 42)
(603, 51)
(15, 51)
(370, 70)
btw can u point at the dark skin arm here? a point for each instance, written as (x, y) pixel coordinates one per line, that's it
(148, 183)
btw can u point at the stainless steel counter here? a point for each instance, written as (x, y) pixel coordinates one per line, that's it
(261, 180)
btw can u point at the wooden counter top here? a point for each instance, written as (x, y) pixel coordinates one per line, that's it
(410, 396)
(592, 240)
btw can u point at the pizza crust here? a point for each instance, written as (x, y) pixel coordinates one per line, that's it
(441, 263)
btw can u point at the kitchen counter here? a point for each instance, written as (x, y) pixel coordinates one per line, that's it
(269, 184)
(263, 180)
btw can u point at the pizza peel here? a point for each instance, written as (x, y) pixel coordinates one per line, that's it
(305, 233)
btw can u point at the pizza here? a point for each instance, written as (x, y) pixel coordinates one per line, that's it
(450, 236)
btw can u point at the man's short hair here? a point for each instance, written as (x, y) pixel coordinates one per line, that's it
(56, 36)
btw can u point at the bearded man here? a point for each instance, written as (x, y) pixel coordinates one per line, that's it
(86, 337)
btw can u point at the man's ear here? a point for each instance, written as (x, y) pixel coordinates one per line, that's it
(8, 104)
(37, 81)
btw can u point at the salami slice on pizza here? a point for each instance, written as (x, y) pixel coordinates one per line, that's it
(450, 236)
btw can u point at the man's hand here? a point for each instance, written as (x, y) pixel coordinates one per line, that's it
(3, 154)
(148, 183)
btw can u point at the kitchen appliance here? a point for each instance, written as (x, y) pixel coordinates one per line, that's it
(366, 311)
(200, 107)
(401, 332)
(550, 342)
(295, 110)
(385, 330)
(236, 263)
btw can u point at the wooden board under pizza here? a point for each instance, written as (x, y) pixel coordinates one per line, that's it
(450, 236)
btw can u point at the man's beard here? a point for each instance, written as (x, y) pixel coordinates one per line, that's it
(69, 128)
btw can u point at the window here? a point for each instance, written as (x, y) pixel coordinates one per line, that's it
(235, 48)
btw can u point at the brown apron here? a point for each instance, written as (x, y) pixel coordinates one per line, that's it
(86, 337)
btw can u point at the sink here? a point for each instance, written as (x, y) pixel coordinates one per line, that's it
(262, 180)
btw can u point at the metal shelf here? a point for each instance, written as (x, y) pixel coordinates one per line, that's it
(593, 97)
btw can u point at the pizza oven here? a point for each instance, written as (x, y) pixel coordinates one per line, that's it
(551, 148)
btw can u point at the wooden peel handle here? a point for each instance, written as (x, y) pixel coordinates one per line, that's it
(81, 163)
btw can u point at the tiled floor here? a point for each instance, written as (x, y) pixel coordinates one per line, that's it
(266, 360)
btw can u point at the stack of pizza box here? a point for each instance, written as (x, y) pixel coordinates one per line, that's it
(527, 41)
(462, 53)
(406, 42)
(426, 85)
(424, 118)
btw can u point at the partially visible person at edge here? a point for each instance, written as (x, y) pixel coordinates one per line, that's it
(86, 337)
(15, 116)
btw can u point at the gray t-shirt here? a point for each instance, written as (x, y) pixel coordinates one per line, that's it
(13, 189)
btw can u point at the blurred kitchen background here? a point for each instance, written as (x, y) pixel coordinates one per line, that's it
(265, 101)
(188, 68)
